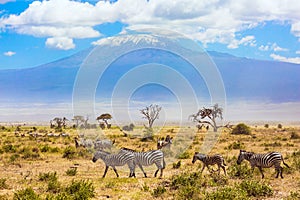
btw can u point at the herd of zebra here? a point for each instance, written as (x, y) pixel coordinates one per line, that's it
(131, 158)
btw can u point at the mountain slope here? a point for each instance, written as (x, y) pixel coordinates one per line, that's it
(243, 78)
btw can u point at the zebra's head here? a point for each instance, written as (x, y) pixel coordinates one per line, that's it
(99, 154)
(244, 155)
(197, 156)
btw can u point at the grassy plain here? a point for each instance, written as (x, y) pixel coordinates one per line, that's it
(25, 158)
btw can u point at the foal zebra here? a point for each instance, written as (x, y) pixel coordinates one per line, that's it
(148, 158)
(114, 160)
(210, 160)
(260, 161)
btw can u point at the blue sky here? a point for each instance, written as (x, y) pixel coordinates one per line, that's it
(37, 32)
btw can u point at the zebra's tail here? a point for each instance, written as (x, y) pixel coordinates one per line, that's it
(284, 162)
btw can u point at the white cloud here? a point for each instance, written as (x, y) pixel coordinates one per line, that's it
(9, 53)
(208, 21)
(264, 47)
(248, 40)
(272, 47)
(298, 52)
(62, 43)
(295, 60)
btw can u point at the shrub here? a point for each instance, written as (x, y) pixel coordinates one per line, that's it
(3, 184)
(266, 125)
(26, 194)
(227, 193)
(80, 190)
(69, 152)
(241, 129)
(293, 195)
(9, 148)
(184, 155)
(294, 135)
(177, 165)
(255, 188)
(236, 145)
(71, 172)
(279, 126)
(47, 176)
(159, 191)
(240, 171)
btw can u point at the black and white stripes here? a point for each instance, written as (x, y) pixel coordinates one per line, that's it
(148, 158)
(210, 160)
(113, 160)
(260, 161)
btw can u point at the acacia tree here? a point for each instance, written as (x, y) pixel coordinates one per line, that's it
(60, 122)
(104, 117)
(151, 113)
(208, 116)
(78, 119)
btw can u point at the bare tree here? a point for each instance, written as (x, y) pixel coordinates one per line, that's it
(104, 117)
(151, 113)
(208, 116)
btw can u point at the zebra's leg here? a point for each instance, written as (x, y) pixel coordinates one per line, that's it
(159, 167)
(105, 171)
(223, 167)
(210, 171)
(279, 170)
(202, 168)
(261, 171)
(115, 170)
(141, 167)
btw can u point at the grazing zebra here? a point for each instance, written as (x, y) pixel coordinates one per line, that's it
(164, 143)
(113, 160)
(260, 161)
(210, 160)
(103, 144)
(148, 158)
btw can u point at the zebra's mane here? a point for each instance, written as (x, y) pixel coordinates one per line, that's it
(127, 149)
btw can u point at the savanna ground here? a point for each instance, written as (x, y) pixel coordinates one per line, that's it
(50, 167)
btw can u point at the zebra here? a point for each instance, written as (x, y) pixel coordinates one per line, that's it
(210, 160)
(114, 160)
(148, 158)
(103, 144)
(260, 161)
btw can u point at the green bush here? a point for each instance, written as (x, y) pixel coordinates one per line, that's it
(26, 194)
(80, 190)
(255, 188)
(241, 129)
(293, 196)
(3, 184)
(236, 145)
(47, 176)
(184, 155)
(240, 171)
(294, 135)
(160, 190)
(71, 172)
(69, 152)
(177, 165)
(227, 193)
(9, 148)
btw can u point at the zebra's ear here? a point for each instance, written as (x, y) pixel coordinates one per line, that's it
(196, 152)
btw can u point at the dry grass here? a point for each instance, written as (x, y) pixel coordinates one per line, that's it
(24, 158)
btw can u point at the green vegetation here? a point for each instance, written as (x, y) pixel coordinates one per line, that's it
(241, 129)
